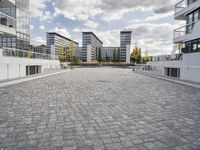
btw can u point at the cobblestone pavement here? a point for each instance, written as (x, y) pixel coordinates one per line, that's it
(98, 109)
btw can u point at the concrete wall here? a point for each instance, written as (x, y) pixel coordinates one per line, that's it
(15, 67)
(89, 51)
(128, 54)
(189, 67)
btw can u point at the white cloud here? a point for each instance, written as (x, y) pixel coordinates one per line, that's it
(42, 27)
(157, 38)
(38, 41)
(91, 24)
(109, 9)
(62, 31)
(31, 27)
(76, 30)
(37, 10)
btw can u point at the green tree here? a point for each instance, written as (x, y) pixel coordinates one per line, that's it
(75, 60)
(71, 51)
(136, 55)
(99, 55)
(62, 54)
(146, 56)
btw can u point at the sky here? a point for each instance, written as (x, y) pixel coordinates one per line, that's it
(152, 21)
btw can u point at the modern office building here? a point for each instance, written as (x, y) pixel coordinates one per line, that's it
(56, 41)
(187, 41)
(108, 53)
(90, 43)
(40, 49)
(14, 24)
(15, 60)
(125, 46)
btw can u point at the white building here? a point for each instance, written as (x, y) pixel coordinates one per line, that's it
(15, 60)
(187, 42)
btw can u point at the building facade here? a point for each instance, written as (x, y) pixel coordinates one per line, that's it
(40, 49)
(14, 24)
(55, 42)
(187, 41)
(108, 53)
(125, 46)
(90, 43)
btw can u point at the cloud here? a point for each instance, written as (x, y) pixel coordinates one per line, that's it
(42, 27)
(37, 10)
(62, 31)
(31, 27)
(91, 24)
(108, 9)
(38, 41)
(157, 38)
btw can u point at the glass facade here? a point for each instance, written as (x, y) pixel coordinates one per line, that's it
(89, 38)
(125, 38)
(17, 17)
(192, 18)
(192, 46)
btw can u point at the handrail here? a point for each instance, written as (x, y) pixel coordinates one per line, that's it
(25, 54)
(180, 5)
(184, 31)
(7, 15)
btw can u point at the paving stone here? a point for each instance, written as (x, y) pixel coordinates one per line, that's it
(98, 109)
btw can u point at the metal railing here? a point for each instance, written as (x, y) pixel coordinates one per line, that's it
(25, 54)
(183, 4)
(7, 21)
(180, 5)
(182, 31)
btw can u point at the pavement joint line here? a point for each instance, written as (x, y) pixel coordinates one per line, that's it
(195, 85)
(14, 82)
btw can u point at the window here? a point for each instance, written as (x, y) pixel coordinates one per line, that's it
(190, 18)
(194, 46)
(189, 47)
(198, 45)
(196, 15)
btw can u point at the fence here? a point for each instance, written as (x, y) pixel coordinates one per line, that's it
(26, 54)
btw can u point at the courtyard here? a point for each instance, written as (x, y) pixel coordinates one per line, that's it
(97, 109)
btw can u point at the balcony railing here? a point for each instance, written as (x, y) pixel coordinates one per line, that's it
(25, 54)
(182, 31)
(181, 5)
(8, 21)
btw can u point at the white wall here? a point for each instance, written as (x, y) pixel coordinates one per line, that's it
(15, 67)
(89, 51)
(189, 66)
(128, 53)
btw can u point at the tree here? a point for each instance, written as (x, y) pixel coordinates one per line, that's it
(62, 54)
(71, 51)
(75, 60)
(30, 54)
(136, 54)
(99, 55)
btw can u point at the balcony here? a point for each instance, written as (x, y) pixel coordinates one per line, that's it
(7, 24)
(187, 32)
(184, 7)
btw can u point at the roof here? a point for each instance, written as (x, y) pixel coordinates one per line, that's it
(54, 33)
(126, 31)
(92, 34)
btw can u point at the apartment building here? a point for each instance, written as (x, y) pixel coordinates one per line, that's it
(125, 46)
(14, 24)
(187, 42)
(90, 42)
(56, 41)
